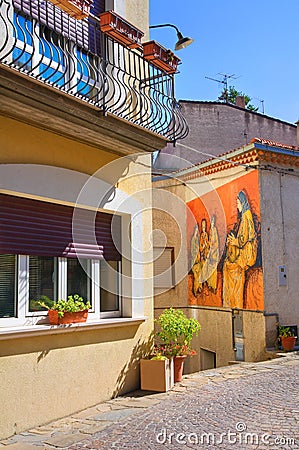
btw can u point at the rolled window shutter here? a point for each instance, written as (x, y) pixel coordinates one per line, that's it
(81, 32)
(163, 267)
(33, 227)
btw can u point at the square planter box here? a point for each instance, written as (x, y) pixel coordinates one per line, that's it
(156, 375)
(79, 9)
(121, 30)
(160, 57)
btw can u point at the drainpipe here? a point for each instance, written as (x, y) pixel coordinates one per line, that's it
(233, 331)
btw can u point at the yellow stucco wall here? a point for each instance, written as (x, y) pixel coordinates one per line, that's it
(50, 376)
(22, 143)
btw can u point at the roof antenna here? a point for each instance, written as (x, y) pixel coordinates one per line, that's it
(262, 102)
(224, 81)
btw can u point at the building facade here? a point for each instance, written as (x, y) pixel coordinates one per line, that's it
(234, 265)
(79, 121)
(216, 128)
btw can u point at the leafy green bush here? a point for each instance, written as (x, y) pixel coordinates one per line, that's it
(74, 303)
(176, 332)
(285, 331)
(42, 304)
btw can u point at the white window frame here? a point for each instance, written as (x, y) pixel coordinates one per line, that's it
(71, 63)
(25, 317)
(116, 313)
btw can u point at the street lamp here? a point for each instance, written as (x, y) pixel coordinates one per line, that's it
(182, 41)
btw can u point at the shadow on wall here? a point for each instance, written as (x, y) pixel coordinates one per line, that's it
(129, 377)
(43, 345)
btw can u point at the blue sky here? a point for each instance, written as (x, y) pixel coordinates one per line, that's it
(256, 40)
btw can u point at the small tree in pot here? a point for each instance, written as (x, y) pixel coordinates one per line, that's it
(175, 332)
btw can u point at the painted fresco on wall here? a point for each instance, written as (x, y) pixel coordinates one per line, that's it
(225, 247)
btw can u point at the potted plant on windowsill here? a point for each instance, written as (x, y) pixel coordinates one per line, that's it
(160, 57)
(287, 338)
(121, 30)
(175, 332)
(72, 310)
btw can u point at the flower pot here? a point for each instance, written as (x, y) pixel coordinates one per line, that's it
(288, 342)
(120, 29)
(160, 57)
(156, 374)
(79, 9)
(68, 317)
(179, 367)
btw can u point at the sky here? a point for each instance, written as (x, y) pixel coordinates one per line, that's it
(257, 41)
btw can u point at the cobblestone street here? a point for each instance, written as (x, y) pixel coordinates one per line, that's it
(244, 406)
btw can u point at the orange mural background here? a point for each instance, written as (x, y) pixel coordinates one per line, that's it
(222, 204)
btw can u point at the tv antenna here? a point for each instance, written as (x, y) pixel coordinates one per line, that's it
(224, 81)
(262, 102)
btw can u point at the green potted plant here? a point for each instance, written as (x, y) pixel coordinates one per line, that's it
(42, 304)
(287, 338)
(175, 332)
(73, 310)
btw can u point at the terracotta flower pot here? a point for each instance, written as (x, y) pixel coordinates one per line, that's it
(121, 30)
(179, 367)
(68, 317)
(288, 342)
(160, 57)
(79, 9)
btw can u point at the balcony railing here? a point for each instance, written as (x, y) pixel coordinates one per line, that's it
(45, 43)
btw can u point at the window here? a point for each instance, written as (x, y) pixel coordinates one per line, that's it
(40, 261)
(27, 280)
(58, 49)
(7, 286)
(110, 286)
(42, 281)
(23, 51)
(163, 268)
(79, 278)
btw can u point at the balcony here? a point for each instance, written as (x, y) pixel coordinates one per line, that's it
(40, 41)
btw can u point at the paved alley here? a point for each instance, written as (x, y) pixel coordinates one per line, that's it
(244, 406)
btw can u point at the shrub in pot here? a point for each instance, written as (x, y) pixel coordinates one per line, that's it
(175, 333)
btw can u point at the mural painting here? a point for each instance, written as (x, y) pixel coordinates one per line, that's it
(225, 247)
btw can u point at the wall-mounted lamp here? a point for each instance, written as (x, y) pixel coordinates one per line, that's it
(182, 41)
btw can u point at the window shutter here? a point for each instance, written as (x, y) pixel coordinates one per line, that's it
(33, 227)
(79, 31)
(163, 267)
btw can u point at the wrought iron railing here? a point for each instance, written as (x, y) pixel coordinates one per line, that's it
(41, 41)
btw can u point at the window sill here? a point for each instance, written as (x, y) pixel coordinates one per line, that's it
(39, 330)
